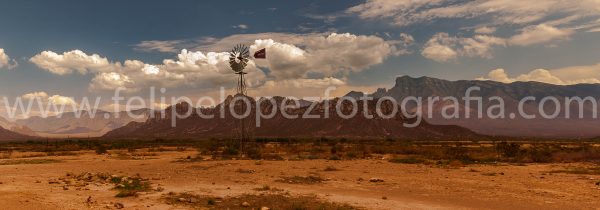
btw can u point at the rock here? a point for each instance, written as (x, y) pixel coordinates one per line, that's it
(119, 205)
(245, 204)
(182, 200)
(160, 189)
(264, 208)
(65, 187)
(193, 200)
(375, 180)
(384, 198)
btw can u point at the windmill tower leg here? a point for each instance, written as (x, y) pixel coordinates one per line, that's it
(243, 131)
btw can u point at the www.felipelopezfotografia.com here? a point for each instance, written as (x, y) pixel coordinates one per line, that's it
(328, 105)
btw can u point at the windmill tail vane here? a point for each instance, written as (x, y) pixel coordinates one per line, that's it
(261, 54)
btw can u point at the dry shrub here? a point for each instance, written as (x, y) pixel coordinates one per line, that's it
(270, 200)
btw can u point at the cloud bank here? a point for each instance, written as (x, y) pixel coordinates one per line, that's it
(312, 59)
(562, 76)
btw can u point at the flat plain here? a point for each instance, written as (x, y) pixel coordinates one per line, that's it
(171, 179)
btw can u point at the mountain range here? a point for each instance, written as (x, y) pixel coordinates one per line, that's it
(511, 93)
(281, 127)
(84, 124)
(434, 126)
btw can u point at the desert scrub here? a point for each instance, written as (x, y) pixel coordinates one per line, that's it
(579, 170)
(28, 161)
(301, 180)
(268, 188)
(407, 160)
(250, 201)
(130, 186)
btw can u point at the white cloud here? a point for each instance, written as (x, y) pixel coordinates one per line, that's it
(443, 47)
(241, 26)
(33, 95)
(562, 76)
(68, 62)
(485, 30)
(150, 69)
(531, 21)
(499, 12)
(159, 46)
(311, 56)
(325, 55)
(299, 87)
(439, 49)
(54, 99)
(112, 81)
(44, 105)
(5, 60)
(540, 34)
(61, 100)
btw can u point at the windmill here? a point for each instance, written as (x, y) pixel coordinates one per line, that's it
(238, 60)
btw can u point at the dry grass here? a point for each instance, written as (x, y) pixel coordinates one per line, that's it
(245, 171)
(268, 188)
(307, 180)
(272, 201)
(579, 170)
(407, 160)
(28, 161)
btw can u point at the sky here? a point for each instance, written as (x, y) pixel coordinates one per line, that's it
(62, 50)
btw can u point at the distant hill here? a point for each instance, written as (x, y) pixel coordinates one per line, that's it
(8, 135)
(279, 126)
(511, 94)
(20, 129)
(87, 124)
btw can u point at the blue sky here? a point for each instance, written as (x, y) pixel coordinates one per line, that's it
(553, 41)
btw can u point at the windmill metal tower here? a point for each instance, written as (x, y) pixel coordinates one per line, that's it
(238, 59)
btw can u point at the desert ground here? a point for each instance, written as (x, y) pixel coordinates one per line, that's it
(81, 181)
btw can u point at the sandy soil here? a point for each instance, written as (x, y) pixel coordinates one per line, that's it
(26, 186)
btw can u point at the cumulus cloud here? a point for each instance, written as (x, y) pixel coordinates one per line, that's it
(212, 44)
(43, 104)
(111, 81)
(540, 34)
(324, 55)
(300, 87)
(442, 47)
(34, 95)
(53, 99)
(485, 30)
(5, 60)
(68, 62)
(314, 56)
(562, 76)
